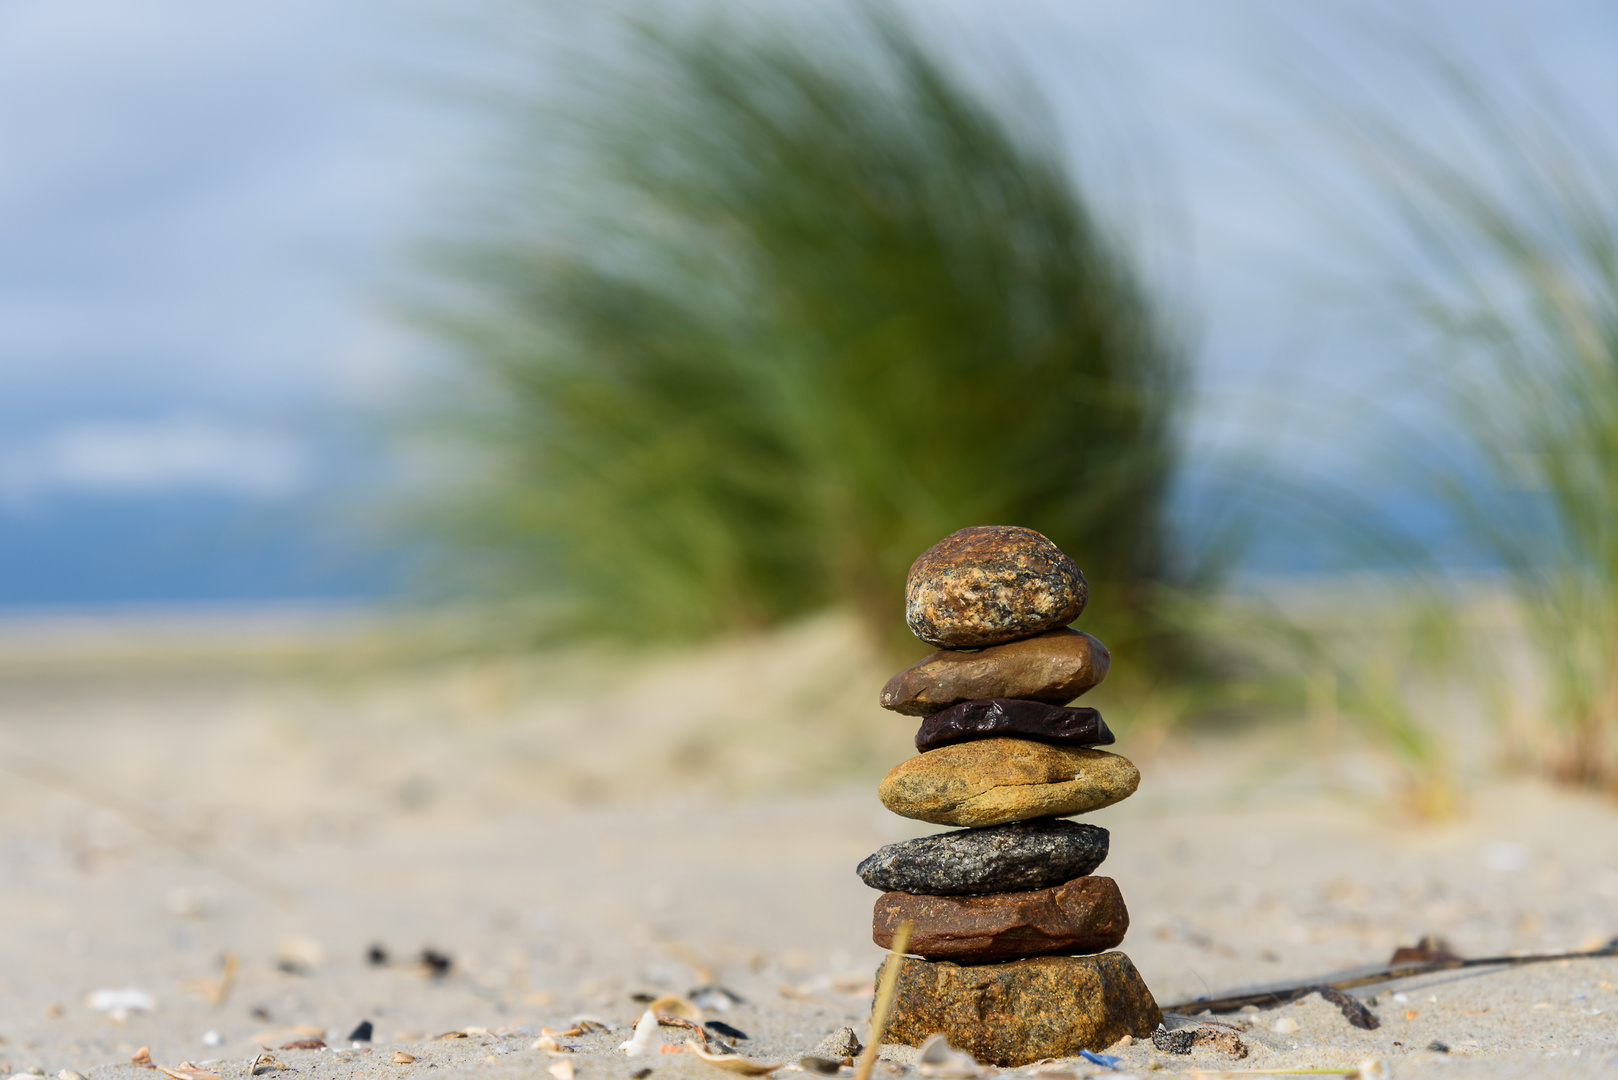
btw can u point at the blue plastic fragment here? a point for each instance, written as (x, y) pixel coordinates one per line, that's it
(1106, 1061)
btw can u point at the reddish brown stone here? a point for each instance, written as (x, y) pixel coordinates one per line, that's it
(989, 584)
(1022, 1011)
(1054, 667)
(1085, 915)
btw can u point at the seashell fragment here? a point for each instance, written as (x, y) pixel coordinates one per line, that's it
(647, 1038)
(562, 1070)
(938, 1060)
(301, 1031)
(187, 1071)
(734, 1062)
(402, 1058)
(675, 1005)
(127, 1000)
(716, 998)
(143, 1058)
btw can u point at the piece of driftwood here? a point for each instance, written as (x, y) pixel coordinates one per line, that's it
(1269, 999)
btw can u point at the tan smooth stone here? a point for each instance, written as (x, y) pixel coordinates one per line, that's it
(1054, 667)
(993, 781)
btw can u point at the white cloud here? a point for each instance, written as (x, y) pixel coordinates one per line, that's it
(175, 454)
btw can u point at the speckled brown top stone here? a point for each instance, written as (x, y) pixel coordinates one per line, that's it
(990, 584)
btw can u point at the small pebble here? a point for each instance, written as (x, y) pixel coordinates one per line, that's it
(402, 1058)
(69, 1074)
(1437, 1047)
(362, 1032)
(212, 1038)
(1285, 1026)
(837, 1046)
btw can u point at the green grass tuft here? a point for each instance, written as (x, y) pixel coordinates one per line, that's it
(759, 314)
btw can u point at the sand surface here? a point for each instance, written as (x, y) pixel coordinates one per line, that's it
(573, 837)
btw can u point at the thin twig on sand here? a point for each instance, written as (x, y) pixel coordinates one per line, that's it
(1289, 994)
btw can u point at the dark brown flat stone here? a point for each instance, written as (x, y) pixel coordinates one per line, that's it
(1054, 667)
(989, 584)
(1085, 915)
(994, 717)
(1022, 1011)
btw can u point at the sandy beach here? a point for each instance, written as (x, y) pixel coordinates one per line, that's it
(226, 817)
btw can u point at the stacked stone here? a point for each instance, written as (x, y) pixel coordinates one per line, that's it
(1010, 928)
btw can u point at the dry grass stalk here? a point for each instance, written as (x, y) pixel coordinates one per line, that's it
(884, 1000)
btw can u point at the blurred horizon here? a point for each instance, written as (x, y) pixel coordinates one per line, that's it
(203, 212)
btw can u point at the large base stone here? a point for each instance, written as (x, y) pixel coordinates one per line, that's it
(1022, 1011)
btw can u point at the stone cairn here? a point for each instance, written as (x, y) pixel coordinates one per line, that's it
(1010, 929)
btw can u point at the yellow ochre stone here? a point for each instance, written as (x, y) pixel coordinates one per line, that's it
(995, 781)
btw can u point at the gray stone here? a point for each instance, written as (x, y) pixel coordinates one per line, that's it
(1020, 857)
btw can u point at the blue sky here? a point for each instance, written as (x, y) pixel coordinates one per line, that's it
(201, 205)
